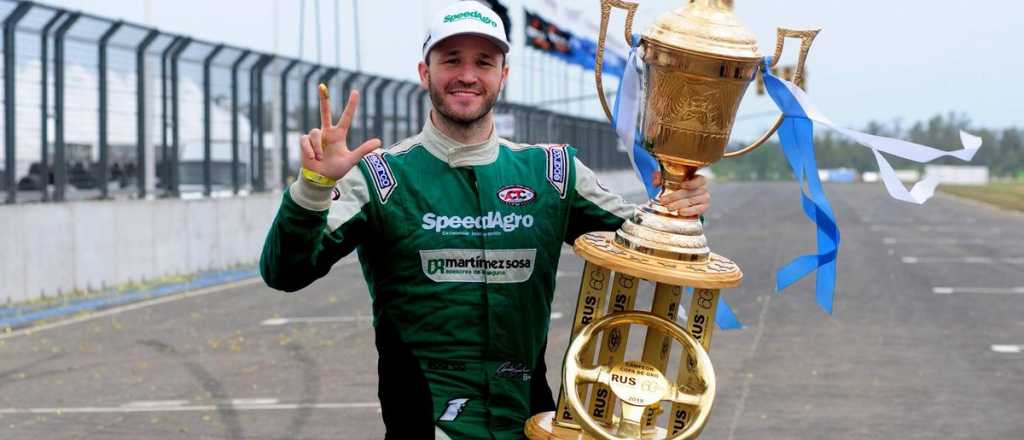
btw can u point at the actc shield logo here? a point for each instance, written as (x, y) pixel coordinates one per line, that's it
(516, 195)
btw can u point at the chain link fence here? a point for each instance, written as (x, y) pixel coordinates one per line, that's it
(96, 108)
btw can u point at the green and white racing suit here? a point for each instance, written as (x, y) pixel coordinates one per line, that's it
(459, 245)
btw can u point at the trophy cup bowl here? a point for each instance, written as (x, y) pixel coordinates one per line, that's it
(697, 63)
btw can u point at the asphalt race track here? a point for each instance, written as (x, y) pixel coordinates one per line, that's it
(927, 340)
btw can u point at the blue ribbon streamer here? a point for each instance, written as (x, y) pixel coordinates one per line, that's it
(724, 316)
(796, 135)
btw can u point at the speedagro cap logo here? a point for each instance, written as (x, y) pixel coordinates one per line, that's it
(475, 15)
(516, 195)
(466, 17)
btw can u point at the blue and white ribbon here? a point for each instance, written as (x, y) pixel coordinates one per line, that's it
(797, 138)
(788, 96)
(625, 120)
(796, 135)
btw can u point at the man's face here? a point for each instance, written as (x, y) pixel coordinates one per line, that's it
(464, 77)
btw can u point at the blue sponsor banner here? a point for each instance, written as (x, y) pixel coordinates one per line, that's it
(549, 38)
(584, 53)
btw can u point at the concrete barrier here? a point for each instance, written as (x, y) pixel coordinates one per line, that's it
(58, 248)
(51, 249)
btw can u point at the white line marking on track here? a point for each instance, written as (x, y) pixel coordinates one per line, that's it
(893, 240)
(1009, 349)
(247, 402)
(964, 260)
(190, 408)
(981, 290)
(316, 320)
(937, 228)
(155, 403)
(133, 306)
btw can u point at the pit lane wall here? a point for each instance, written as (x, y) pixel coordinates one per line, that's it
(52, 249)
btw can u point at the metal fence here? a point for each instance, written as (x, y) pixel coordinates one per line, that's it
(96, 108)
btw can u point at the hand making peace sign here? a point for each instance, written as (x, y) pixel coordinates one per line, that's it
(325, 150)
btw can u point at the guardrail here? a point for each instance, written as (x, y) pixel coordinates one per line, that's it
(137, 112)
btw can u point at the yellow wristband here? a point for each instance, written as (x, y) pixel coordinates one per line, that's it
(317, 178)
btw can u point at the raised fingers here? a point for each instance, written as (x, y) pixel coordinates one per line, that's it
(350, 110)
(306, 147)
(316, 141)
(325, 107)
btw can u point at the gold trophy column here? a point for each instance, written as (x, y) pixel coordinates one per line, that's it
(658, 345)
(700, 323)
(613, 345)
(588, 308)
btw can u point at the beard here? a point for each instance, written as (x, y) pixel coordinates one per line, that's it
(464, 119)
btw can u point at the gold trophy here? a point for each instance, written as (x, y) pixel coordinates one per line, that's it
(697, 63)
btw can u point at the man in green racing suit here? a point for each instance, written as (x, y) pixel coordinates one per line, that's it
(458, 233)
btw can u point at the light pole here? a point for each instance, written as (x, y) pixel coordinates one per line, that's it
(355, 31)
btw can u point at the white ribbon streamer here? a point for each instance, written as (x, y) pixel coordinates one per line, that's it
(626, 110)
(923, 189)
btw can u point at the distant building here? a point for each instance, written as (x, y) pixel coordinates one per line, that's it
(840, 175)
(959, 175)
(908, 175)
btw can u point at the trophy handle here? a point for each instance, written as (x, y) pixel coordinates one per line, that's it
(606, 11)
(806, 38)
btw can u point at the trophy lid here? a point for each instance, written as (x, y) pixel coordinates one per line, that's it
(707, 27)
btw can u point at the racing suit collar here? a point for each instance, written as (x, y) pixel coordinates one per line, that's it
(455, 153)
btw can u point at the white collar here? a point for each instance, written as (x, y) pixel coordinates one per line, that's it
(455, 153)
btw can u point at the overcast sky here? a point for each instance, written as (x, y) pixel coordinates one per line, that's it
(875, 59)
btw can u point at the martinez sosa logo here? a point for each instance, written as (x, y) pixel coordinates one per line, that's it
(493, 222)
(496, 266)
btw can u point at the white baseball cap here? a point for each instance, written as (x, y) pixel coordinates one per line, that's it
(466, 17)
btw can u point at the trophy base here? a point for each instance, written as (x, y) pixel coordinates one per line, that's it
(656, 231)
(602, 249)
(542, 427)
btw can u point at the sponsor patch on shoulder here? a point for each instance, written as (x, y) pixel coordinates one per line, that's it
(558, 168)
(383, 178)
(516, 195)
